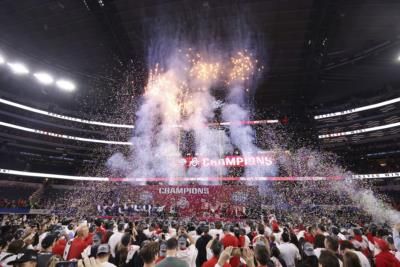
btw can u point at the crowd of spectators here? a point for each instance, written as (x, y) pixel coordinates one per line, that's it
(93, 242)
(14, 203)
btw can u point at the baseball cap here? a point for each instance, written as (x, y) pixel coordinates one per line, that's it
(25, 256)
(103, 249)
(308, 249)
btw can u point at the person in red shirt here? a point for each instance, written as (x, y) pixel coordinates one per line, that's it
(216, 248)
(101, 231)
(59, 247)
(242, 239)
(230, 240)
(383, 257)
(309, 236)
(60, 244)
(79, 244)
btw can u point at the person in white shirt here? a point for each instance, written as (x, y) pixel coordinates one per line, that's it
(348, 246)
(11, 252)
(194, 235)
(172, 232)
(149, 232)
(187, 253)
(276, 232)
(319, 244)
(217, 231)
(116, 238)
(289, 252)
(247, 240)
(70, 231)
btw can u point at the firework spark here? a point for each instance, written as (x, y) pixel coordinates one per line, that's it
(205, 71)
(243, 67)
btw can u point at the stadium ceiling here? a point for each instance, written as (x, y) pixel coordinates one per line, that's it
(95, 41)
(311, 47)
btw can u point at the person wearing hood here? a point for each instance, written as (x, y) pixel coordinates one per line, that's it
(383, 257)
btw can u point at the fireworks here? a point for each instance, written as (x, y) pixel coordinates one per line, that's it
(204, 71)
(244, 66)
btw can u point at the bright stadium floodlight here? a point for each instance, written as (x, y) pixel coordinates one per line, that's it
(44, 78)
(398, 58)
(2, 60)
(18, 68)
(66, 85)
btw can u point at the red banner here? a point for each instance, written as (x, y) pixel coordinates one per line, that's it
(197, 199)
(219, 179)
(230, 161)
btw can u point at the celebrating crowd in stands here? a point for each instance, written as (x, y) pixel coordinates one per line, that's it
(43, 241)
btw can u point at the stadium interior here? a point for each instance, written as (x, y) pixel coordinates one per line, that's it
(324, 114)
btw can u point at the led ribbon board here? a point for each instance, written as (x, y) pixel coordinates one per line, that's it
(26, 129)
(268, 178)
(354, 110)
(365, 130)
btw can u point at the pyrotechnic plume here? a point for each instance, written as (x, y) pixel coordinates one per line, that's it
(243, 67)
(204, 71)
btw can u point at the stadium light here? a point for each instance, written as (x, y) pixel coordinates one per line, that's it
(44, 78)
(2, 60)
(398, 58)
(66, 85)
(18, 68)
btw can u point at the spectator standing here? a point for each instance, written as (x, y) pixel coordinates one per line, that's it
(348, 246)
(351, 259)
(187, 250)
(47, 250)
(309, 259)
(328, 259)
(201, 245)
(116, 238)
(383, 257)
(288, 251)
(171, 259)
(216, 248)
(148, 253)
(103, 256)
(230, 240)
(28, 258)
(78, 244)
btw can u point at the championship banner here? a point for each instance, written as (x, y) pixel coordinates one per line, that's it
(197, 199)
(230, 161)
